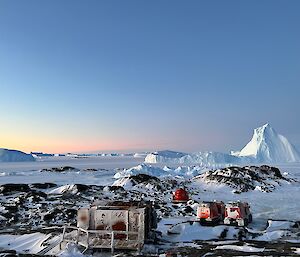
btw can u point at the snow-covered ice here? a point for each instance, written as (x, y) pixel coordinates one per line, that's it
(29, 172)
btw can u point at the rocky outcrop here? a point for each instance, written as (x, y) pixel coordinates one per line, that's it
(243, 179)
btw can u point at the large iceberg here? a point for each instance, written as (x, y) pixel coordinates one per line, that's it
(267, 145)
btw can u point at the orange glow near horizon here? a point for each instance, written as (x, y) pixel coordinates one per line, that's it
(63, 146)
(62, 142)
(36, 141)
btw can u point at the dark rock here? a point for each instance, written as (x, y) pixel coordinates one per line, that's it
(188, 209)
(11, 208)
(82, 187)
(223, 234)
(43, 185)
(115, 188)
(71, 213)
(50, 216)
(90, 170)
(141, 178)
(36, 195)
(156, 205)
(271, 170)
(12, 188)
(60, 169)
(8, 253)
(241, 234)
(296, 225)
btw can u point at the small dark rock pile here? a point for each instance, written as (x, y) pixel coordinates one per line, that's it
(144, 180)
(60, 169)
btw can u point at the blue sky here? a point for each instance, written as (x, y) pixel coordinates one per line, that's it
(146, 75)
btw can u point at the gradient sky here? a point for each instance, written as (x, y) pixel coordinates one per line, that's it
(146, 75)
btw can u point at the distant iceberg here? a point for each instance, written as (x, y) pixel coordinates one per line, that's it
(166, 156)
(7, 155)
(206, 158)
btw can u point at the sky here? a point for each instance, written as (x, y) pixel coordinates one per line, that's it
(80, 76)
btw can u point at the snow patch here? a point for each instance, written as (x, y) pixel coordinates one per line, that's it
(243, 248)
(27, 243)
(72, 250)
(72, 189)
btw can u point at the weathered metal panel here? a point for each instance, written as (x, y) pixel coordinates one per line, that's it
(83, 218)
(141, 223)
(107, 219)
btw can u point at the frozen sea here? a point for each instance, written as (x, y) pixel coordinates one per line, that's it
(29, 172)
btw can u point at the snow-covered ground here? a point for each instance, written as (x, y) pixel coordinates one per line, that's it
(281, 203)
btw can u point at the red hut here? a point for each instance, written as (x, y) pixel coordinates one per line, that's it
(180, 196)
